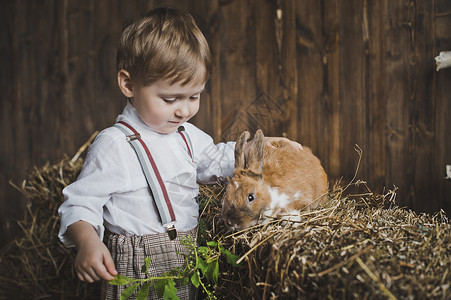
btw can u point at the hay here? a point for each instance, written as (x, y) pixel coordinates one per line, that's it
(359, 246)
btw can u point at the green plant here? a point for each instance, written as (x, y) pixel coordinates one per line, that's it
(201, 269)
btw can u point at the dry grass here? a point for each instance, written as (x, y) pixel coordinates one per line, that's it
(359, 246)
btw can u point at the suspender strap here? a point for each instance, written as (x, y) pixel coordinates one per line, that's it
(153, 177)
(187, 140)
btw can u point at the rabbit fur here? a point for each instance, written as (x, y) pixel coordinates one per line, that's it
(278, 179)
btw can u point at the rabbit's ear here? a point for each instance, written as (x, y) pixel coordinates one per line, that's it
(239, 150)
(255, 157)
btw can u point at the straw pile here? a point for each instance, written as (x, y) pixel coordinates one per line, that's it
(359, 246)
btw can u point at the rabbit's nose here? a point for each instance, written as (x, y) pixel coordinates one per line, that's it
(230, 224)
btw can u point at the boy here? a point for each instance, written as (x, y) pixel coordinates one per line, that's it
(163, 64)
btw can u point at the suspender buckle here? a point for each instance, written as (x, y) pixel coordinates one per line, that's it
(172, 233)
(132, 137)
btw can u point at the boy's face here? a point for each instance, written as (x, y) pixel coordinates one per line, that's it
(164, 107)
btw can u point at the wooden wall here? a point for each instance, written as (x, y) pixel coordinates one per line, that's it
(330, 74)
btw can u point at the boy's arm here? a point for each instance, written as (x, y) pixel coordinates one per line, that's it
(93, 261)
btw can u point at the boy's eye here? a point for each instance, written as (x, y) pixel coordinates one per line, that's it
(194, 97)
(169, 100)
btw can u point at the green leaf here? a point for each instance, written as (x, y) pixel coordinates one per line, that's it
(203, 250)
(216, 272)
(195, 279)
(231, 258)
(201, 265)
(128, 291)
(143, 292)
(170, 291)
(160, 286)
(121, 280)
(212, 243)
(145, 267)
(184, 280)
(210, 270)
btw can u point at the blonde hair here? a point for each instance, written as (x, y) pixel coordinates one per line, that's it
(164, 44)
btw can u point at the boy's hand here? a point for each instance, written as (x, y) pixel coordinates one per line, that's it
(93, 261)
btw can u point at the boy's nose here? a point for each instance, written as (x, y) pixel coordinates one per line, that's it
(183, 109)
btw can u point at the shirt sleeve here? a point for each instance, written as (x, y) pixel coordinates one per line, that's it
(214, 161)
(104, 173)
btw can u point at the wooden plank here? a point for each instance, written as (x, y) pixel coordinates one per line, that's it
(237, 84)
(310, 52)
(330, 92)
(441, 94)
(317, 36)
(11, 162)
(375, 148)
(353, 87)
(275, 106)
(427, 176)
(400, 150)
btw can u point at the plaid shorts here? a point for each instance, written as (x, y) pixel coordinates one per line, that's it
(128, 253)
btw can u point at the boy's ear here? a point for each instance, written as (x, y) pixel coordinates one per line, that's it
(125, 83)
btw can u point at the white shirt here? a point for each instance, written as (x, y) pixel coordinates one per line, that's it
(111, 191)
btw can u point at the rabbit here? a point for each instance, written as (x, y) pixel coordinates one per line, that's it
(278, 179)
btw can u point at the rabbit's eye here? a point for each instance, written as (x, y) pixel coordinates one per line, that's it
(250, 197)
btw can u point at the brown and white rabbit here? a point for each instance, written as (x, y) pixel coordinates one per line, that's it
(279, 178)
